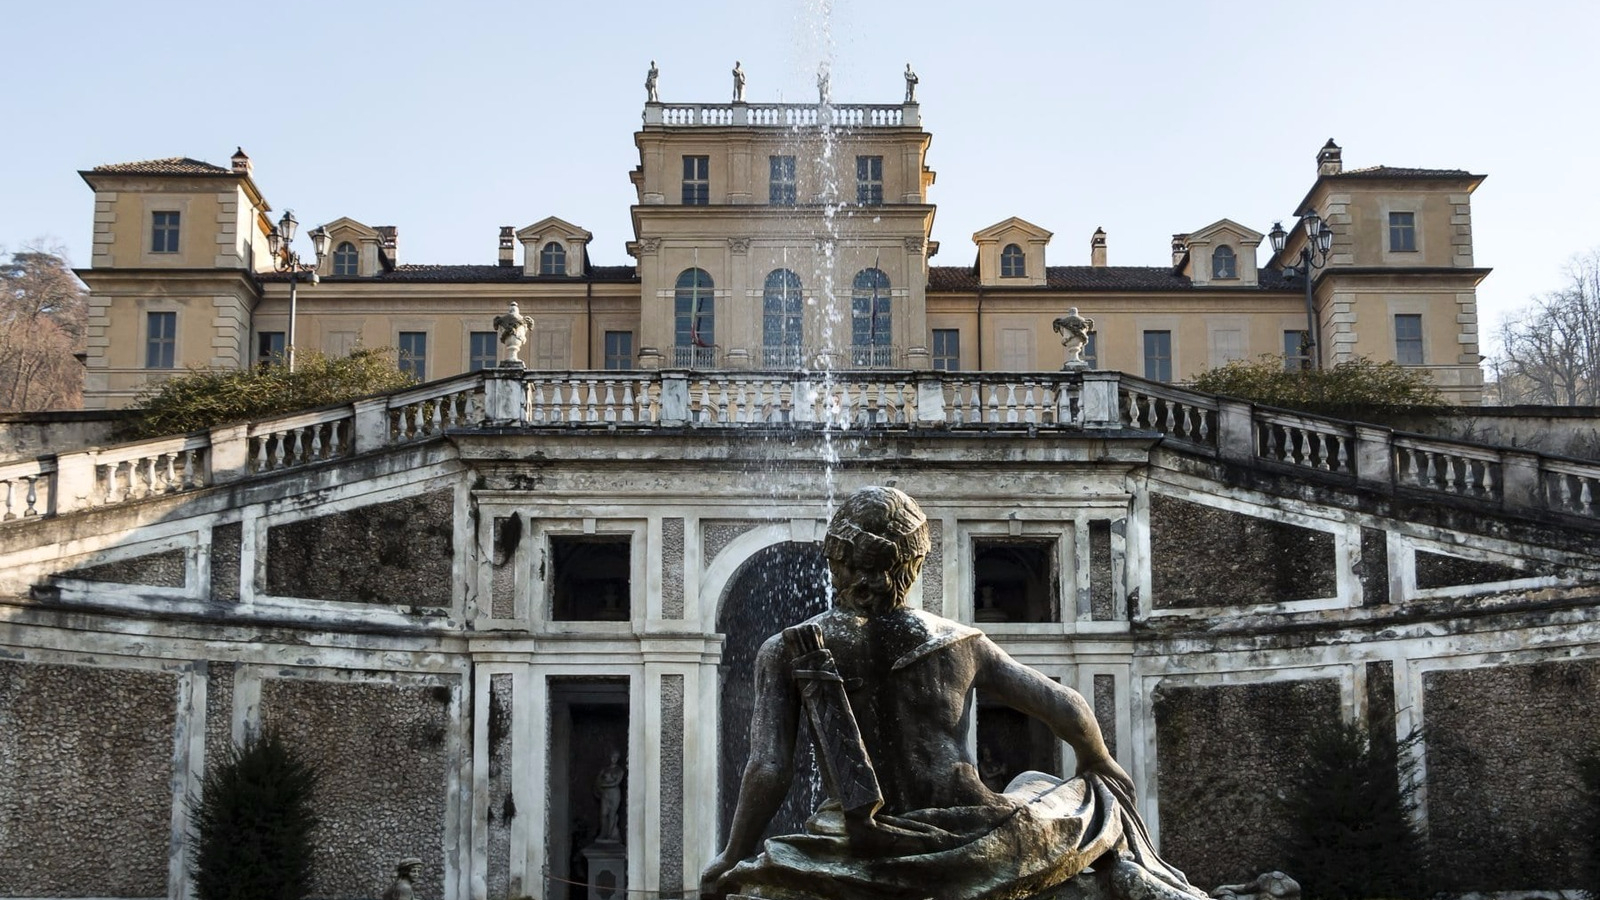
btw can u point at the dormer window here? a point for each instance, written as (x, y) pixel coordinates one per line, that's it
(1012, 263)
(553, 259)
(1224, 263)
(345, 259)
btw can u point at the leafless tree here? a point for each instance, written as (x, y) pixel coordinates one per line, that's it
(43, 308)
(1550, 352)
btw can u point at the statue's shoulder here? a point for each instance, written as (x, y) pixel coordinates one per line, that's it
(938, 633)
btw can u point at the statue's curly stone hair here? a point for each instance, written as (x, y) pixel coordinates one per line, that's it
(880, 532)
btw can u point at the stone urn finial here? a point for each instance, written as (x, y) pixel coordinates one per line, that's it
(1074, 330)
(514, 328)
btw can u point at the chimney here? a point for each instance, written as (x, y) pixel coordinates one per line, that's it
(1330, 159)
(507, 251)
(389, 240)
(1180, 246)
(1097, 249)
(241, 163)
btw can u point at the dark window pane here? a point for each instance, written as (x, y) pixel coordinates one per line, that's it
(1408, 340)
(1402, 231)
(270, 347)
(1158, 355)
(869, 180)
(161, 340)
(694, 310)
(1224, 264)
(483, 351)
(1012, 263)
(164, 232)
(553, 259)
(696, 180)
(619, 350)
(345, 259)
(413, 346)
(946, 349)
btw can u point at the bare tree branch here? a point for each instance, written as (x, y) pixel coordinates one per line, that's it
(1550, 352)
(43, 310)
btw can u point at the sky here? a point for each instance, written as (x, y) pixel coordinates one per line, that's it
(449, 120)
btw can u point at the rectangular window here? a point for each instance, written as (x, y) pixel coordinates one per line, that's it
(781, 190)
(161, 340)
(619, 350)
(1402, 232)
(1408, 340)
(414, 354)
(869, 180)
(590, 578)
(1158, 355)
(696, 180)
(270, 346)
(483, 351)
(1091, 350)
(164, 232)
(1294, 351)
(947, 349)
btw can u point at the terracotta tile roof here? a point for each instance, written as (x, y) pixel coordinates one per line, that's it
(1402, 172)
(470, 274)
(1096, 278)
(172, 165)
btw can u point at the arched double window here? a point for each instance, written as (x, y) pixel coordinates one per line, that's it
(871, 321)
(782, 319)
(694, 309)
(553, 259)
(1012, 263)
(1224, 264)
(345, 259)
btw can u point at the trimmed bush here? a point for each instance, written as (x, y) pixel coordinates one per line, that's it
(251, 832)
(1357, 389)
(203, 398)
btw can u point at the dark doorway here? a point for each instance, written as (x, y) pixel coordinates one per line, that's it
(780, 586)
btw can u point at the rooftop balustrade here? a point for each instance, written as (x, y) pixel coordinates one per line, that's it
(783, 115)
(1043, 404)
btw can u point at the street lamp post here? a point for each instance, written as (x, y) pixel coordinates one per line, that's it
(1313, 256)
(280, 244)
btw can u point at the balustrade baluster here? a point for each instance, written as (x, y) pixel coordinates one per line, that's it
(10, 492)
(610, 402)
(592, 402)
(975, 404)
(1586, 495)
(628, 400)
(536, 412)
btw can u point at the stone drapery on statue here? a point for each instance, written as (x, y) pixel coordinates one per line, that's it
(887, 692)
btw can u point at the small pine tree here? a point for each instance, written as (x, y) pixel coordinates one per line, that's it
(251, 831)
(1350, 832)
(1588, 826)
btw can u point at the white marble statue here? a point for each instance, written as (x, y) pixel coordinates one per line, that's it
(513, 327)
(650, 95)
(1074, 330)
(911, 85)
(608, 789)
(738, 82)
(824, 91)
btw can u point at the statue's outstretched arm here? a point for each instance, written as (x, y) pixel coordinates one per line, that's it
(770, 768)
(1058, 706)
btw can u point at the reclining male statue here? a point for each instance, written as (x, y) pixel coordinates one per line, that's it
(887, 692)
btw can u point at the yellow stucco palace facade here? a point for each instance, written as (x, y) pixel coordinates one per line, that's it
(748, 218)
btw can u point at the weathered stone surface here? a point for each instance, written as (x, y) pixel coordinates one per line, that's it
(1203, 556)
(225, 543)
(1102, 590)
(85, 780)
(933, 570)
(219, 711)
(672, 722)
(502, 809)
(164, 569)
(715, 536)
(397, 552)
(1374, 568)
(382, 751)
(502, 567)
(1441, 570)
(1224, 754)
(1502, 785)
(672, 567)
(1105, 709)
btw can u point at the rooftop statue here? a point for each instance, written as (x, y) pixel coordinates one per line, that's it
(911, 85)
(738, 82)
(1074, 330)
(887, 694)
(650, 78)
(824, 91)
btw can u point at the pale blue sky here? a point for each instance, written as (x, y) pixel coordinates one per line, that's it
(451, 119)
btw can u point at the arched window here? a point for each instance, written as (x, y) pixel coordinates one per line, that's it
(694, 308)
(1224, 264)
(345, 259)
(870, 319)
(1012, 263)
(553, 259)
(782, 319)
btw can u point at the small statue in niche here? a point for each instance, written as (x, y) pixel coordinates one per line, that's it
(608, 789)
(650, 77)
(513, 327)
(405, 872)
(911, 85)
(991, 771)
(1074, 330)
(738, 82)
